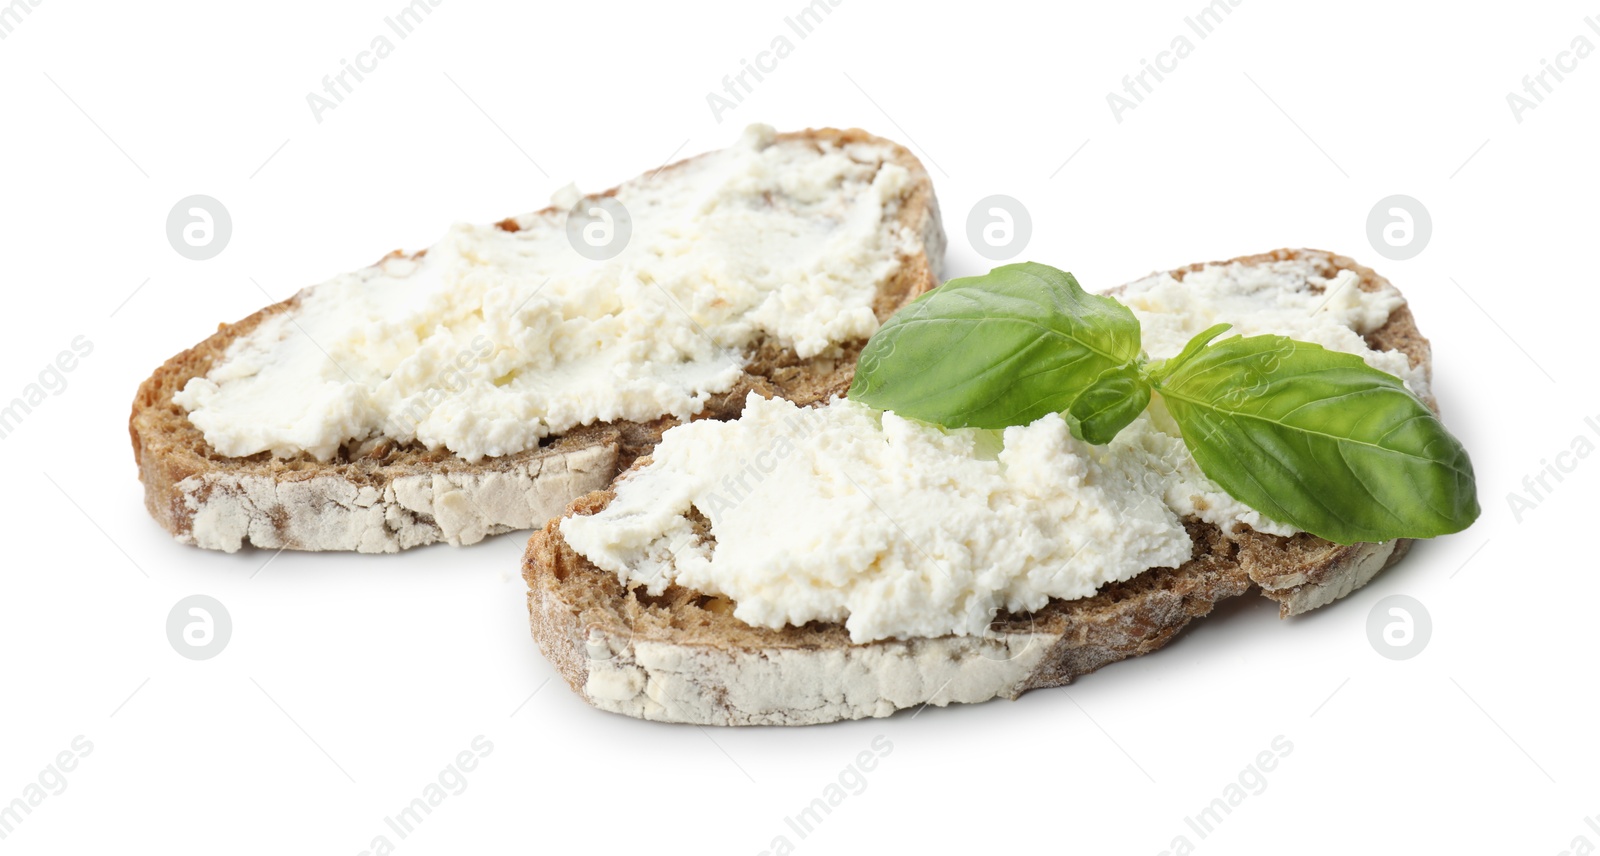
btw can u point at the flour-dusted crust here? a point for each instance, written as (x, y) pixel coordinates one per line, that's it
(386, 496)
(683, 657)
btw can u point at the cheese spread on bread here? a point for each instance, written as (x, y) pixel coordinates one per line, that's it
(901, 529)
(494, 339)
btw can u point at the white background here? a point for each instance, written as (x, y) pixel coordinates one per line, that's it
(351, 681)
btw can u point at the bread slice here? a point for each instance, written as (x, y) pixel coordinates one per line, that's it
(683, 657)
(385, 496)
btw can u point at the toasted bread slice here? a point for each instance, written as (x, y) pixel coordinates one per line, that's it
(683, 657)
(385, 496)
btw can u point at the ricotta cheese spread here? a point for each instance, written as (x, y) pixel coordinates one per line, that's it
(494, 339)
(898, 528)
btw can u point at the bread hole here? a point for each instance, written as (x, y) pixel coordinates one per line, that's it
(714, 603)
(670, 598)
(702, 529)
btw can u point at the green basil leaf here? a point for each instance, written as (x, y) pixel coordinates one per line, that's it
(1320, 440)
(1004, 349)
(1108, 405)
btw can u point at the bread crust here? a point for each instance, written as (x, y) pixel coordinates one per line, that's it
(385, 496)
(682, 657)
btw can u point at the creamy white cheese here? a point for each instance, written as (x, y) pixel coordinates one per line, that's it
(901, 529)
(495, 339)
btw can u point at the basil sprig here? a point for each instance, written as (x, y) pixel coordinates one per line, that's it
(1310, 437)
